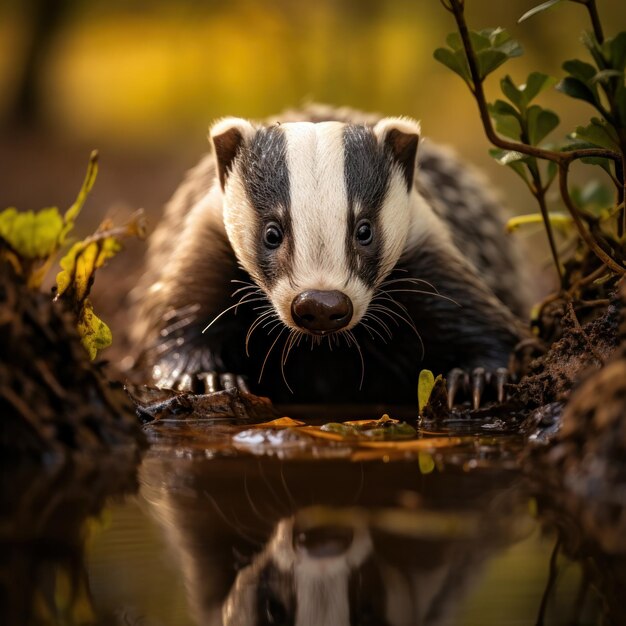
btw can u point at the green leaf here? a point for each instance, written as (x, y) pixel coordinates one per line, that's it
(598, 133)
(523, 95)
(489, 60)
(617, 47)
(500, 107)
(510, 90)
(580, 70)
(425, 386)
(594, 198)
(455, 61)
(32, 235)
(94, 334)
(541, 122)
(535, 84)
(507, 119)
(538, 9)
(575, 88)
(517, 161)
(479, 41)
(605, 164)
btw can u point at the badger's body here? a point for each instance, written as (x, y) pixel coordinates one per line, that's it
(354, 269)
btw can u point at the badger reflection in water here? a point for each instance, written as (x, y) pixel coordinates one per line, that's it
(266, 542)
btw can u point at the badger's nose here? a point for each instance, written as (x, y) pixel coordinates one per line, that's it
(321, 311)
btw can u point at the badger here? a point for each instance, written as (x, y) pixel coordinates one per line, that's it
(328, 256)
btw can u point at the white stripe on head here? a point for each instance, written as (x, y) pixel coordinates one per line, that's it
(318, 204)
(319, 218)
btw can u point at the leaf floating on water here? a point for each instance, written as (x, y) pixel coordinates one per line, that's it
(281, 422)
(384, 429)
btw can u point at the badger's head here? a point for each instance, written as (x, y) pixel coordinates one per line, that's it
(317, 214)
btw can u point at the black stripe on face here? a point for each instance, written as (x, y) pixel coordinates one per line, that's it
(266, 178)
(367, 168)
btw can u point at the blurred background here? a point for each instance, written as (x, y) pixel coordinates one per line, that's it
(142, 79)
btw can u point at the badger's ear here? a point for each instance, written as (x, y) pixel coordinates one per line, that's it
(228, 136)
(400, 135)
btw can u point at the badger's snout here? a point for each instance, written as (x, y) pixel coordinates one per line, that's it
(321, 312)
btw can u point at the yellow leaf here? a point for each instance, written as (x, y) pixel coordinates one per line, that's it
(425, 386)
(72, 213)
(31, 235)
(281, 422)
(561, 220)
(94, 333)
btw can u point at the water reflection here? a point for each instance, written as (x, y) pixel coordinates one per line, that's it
(262, 541)
(220, 536)
(45, 517)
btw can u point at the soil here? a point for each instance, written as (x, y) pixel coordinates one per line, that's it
(53, 399)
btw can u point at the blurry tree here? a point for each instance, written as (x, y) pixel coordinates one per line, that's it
(44, 19)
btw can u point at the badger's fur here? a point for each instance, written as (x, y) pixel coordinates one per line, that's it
(354, 268)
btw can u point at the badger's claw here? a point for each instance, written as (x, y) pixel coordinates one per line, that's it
(458, 381)
(479, 378)
(502, 378)
(477, 384)
(210, 382)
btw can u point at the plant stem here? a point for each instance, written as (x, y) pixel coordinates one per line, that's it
(540, 195)
(479, 95)
(563, 159)
(582, 229)
(590, 5)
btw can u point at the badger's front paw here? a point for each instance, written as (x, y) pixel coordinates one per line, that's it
(477, 386)
(210, 382)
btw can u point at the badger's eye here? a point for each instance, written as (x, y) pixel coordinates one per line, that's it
(273, 235)
(364, 233)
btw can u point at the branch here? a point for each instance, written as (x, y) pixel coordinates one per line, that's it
(590, 5)
(582, 229)
(562, 159)
(456, 8)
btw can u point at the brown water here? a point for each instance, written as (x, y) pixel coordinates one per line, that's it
(270, 527)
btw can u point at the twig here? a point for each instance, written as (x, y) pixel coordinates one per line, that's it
(590, 5)
(456, 8)
(582, 229)
(562, 159)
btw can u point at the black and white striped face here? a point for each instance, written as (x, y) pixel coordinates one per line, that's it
(317, 214)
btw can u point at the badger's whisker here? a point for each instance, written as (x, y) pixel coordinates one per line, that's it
(400, 316)
(230, 308)
(409, 279)
(350, 334)
(254, 288)
(426, 293)
(259, 320)
(285, 355)
(385, 310)
(376, 318)
(282, 330)
(371, 329)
